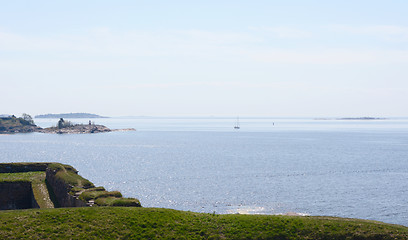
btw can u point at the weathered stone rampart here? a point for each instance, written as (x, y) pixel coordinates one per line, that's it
(62, 191)
(17, 195)
(61, 187)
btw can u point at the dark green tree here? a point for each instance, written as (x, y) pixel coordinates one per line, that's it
(61, 123)
(28, 118)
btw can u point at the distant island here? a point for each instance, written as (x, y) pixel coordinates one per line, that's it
(64, 126)
(352, 118)
(25, 124)
(70, 115)
(361, 118)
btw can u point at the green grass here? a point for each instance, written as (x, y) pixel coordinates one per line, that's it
(37, 180)
(69, 175)
(90, 194)
(22, 176)
(151, 223)
(119, 202)
(102, 197)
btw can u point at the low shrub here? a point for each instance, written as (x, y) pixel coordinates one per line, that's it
(91, 194)
(118, 202)
(126, 202)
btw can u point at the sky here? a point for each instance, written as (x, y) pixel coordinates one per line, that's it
(205, 58)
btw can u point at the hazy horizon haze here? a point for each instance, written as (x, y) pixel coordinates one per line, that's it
(212, 58)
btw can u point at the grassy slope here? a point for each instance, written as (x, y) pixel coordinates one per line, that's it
(150, 223)
(38, 185)
(23, 176)
(69, 175)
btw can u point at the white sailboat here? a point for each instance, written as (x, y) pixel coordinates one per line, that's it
(237, 124)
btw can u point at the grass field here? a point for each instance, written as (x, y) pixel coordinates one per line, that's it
(153, 223)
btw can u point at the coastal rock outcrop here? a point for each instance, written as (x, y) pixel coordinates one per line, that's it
(13, 124)
(79, 128)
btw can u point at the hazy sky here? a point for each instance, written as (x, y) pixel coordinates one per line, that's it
(199, 58)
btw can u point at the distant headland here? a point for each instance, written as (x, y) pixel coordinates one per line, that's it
(13, 124)
(70, 115)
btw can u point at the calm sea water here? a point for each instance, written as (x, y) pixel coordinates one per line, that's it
(355, 169)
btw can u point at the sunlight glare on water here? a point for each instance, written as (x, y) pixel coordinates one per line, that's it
(343, 168)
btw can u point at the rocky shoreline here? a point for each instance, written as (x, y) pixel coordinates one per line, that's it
(81, 129)
(18, 129)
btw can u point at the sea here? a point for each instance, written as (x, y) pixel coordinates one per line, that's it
(301, 166)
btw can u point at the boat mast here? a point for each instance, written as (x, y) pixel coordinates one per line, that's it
(237, 124)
